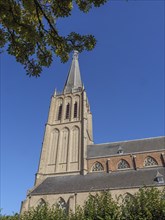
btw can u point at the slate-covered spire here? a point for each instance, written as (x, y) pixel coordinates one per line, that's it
(73, 82)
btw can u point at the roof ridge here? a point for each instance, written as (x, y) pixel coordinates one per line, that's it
(127, 141)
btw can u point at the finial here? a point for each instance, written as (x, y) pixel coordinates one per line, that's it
(55, 92)
(75, 54)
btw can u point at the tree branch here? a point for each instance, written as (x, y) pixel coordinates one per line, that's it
(46, 17)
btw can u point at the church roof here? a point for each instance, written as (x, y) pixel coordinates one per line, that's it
(73, 82)
(99, 181)
(133, 146)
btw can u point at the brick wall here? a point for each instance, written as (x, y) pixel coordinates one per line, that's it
(135, 161)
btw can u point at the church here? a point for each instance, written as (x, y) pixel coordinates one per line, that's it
(71, 166)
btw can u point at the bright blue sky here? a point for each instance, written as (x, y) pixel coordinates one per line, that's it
(123, 77)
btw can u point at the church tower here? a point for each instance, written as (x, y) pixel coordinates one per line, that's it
(71, 166)
(68, 130)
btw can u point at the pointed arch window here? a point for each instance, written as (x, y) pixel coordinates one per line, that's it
(67, 111)
(128, 196)
(59, 112)
(61, 204)
(75, 132)
(64, 144)
(41, 202)
(53, 146)
(123, 164)
(150, 161)
(97, 167)
(75, 110)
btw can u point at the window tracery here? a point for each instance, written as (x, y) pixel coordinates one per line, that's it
(41, 202)
(123, 164)
(61, 204)
(150, 161)
(97, 167)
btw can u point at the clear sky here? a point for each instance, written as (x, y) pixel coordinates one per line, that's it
(123, 77)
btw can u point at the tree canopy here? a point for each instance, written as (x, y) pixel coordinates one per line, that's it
(28, 31)
(146, 204)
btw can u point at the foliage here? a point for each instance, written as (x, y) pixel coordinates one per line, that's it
(98, 207)
(101, 207)
(7, 217)
(29, 31)
(44, 212)
(146, 204)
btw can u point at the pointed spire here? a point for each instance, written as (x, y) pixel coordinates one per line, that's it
(73, 82)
